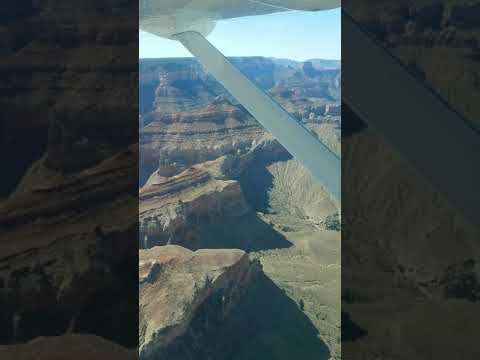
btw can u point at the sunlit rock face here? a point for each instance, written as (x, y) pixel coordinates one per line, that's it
(184, 295)
(171, 209)
(178, 140)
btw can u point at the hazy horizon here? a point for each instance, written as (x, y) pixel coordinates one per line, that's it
(288, 35)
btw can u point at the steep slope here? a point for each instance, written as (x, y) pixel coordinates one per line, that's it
(178, 285)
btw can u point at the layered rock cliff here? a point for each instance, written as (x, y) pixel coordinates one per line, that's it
(203, 304)
(183, 294)
(171, 209)
(174, 141)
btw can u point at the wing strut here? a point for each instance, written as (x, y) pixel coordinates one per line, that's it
(299, 141)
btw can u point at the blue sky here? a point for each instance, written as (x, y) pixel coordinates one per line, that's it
(293, 35)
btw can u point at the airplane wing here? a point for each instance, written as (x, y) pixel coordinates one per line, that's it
(189, 21)
(227, 9)
(168, 17)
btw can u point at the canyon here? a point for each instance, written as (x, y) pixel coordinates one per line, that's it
(236, 236)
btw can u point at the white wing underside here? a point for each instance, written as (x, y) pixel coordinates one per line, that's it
(168, 17)
(227, 9)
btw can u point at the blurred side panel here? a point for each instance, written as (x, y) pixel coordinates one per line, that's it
(69, 179)
(410, 256)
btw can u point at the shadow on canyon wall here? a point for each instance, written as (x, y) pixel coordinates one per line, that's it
(248, 232)
(266, 325)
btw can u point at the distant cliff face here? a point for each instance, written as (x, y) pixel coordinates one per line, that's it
(170, 85)
(187, 117)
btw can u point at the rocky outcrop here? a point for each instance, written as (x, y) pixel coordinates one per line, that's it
(200, 305)
(178, 287)
(74, 347)
(170, 208)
